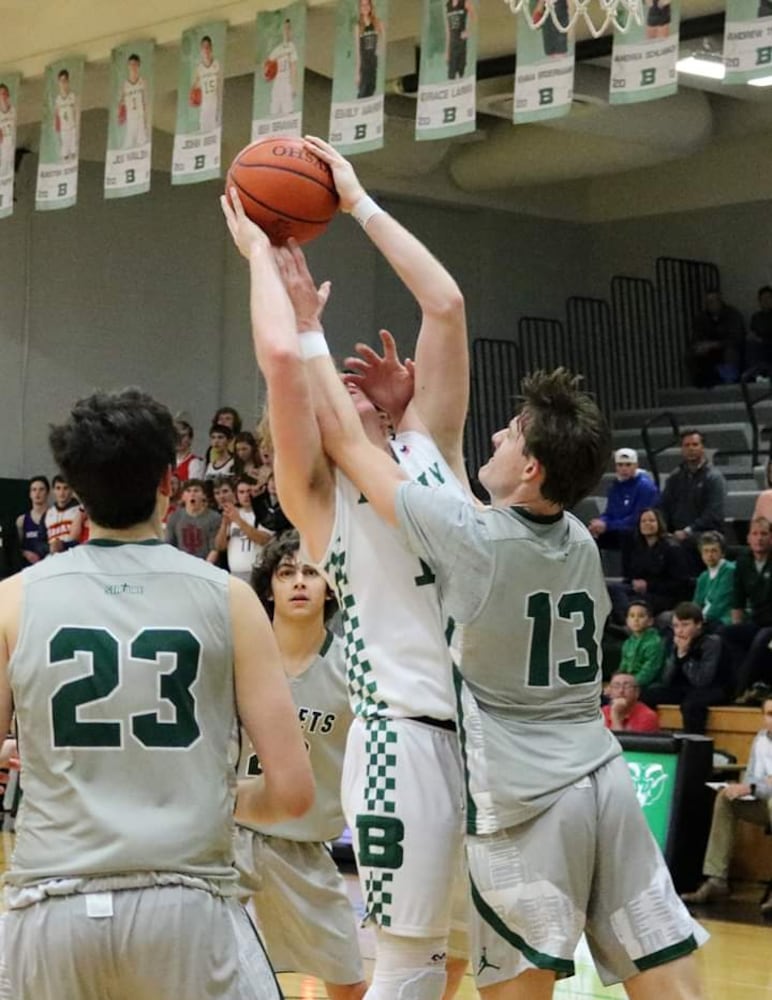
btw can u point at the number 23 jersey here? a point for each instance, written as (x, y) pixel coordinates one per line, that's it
(122, 681)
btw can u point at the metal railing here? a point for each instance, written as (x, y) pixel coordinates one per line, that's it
(496, 370)
(752, 400)
(652, 452)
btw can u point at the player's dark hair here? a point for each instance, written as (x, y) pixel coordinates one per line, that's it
(285, 544)
(114, 450)
(134, 58)
(206, 38)
(234, 413)
(63, 73)
(688, 611)
(564, 430)
(40, 479)
(4, 86)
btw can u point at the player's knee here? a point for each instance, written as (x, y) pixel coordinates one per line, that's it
(408, 968)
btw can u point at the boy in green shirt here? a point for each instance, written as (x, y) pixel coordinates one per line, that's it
(714, 592)
(643, 653)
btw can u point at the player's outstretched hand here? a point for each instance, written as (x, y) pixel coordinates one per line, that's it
(385, 380)
(346, 181)
(246, 234)
(307, 300)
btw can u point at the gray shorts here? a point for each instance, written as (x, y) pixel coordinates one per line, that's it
(303, 912)
(587, 864)
(152, 943)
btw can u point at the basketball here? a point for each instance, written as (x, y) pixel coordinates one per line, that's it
(285, 188)
(195, 97)
(270, 69)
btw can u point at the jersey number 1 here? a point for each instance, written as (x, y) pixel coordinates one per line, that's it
(105, 678)
(571, 671)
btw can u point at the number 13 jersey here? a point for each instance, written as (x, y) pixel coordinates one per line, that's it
(122, 681)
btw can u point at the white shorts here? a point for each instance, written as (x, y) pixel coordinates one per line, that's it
(303, 913)
(68, 144)
(135, 135)
(152, 943)
(403, 795)
(588, 863)
(281, 97)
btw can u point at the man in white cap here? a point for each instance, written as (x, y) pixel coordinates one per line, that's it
(632, 491)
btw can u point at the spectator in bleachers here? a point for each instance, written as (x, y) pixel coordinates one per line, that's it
(64, 520)
(228, 417)
(194, 526)
(715, 585)
(631, 492)
(187, 465)
(694, 497)
(31, 527)
(219, 460)
(716, 351)
(239, 535)
(749, 800)
(696, 673)
(759, 341)
(643, 652)
(749, 635)
(222, 492)
(659, 570)
(763, 506)
(624, 712)
(268, 512)
(245, 452)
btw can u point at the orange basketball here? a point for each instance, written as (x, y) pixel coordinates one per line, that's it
(195, 97)
(285, 188)
(270, 69)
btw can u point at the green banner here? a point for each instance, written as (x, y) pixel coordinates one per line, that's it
(446, 81)
(654, 777)
(277, 95)
(129, 120)
(544, 76)
(9, 102)
(356, 114)
(57, 182)
(747, 40)
(198, 132)
(643, 59)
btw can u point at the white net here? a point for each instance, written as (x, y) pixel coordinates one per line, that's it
(597, 15)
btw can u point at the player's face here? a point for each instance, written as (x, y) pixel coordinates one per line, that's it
(223, 494)
(625, 469)
(759, 540)
(38, 493)
(244, 495)
(298, 590)
(62, 494)
(501, 473)
(648, 523)
(360, 400)
(206, 53)
(5, 99)
(194, 499)
(133, 70)
(692, 448)
(64, 85)
(711, 555)
(638, 619)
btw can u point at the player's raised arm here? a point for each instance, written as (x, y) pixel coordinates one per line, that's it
(269, 716)
(303, 476)
(441, 393)
(10, 610)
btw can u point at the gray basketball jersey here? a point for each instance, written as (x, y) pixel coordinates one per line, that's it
(122, 681)
(321, 699)
(393, 627)
(530, 603)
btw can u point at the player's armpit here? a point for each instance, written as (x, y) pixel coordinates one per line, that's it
(268, 714)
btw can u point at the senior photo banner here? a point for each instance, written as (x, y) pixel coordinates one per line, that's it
(277, 96)
(198, 133)
(356, 113)
(643, 59)
(747, 40)
(446, 77)
(9, 101)
(544, 76)
(129, 120)
(57, 181)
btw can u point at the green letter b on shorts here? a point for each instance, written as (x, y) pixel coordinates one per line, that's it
(380, 841)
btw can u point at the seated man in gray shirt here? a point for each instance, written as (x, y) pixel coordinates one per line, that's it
(194, 526)
(552, 818)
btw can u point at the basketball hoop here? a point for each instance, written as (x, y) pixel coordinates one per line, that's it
(619, 14)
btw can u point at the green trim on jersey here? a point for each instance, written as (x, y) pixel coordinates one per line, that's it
(537, 518)
(380, 806)
(114, 543)
(562, 966)
(328, 640)
(362, 685)
(471, 808)
(665, 955)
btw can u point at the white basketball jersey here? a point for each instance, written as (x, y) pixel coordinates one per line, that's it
(134, 98)
(66, 108)
(285, 54)
(394, 632)
(208, 81)
(7, 138)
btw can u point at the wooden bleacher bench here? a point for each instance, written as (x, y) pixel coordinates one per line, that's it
(732, 728)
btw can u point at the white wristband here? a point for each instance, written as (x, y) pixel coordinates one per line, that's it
(365, 209)
(313, 344)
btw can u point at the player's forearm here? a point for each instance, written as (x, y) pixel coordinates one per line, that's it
(259, 801)
(272, 315)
